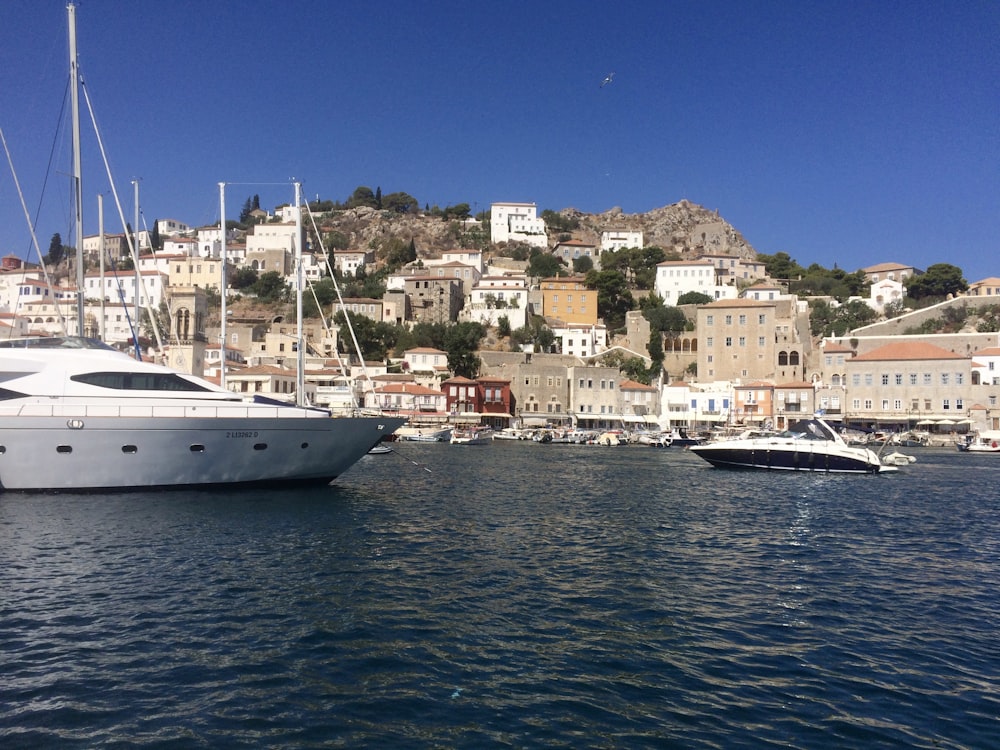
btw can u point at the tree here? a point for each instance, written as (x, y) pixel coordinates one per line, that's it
(938, 281)
(154, 236)
(320, 295)
(780, 266)
(270, 287)
(56, 251)
(398, 252)
(545, 265)
(462, 342)
(694, 298)
(375, 339)
(582, 264)
(613, 296)
(400, 203)
(241, 277)
(362, 196)
(503, 326)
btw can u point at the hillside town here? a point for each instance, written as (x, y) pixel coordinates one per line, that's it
(747, 354)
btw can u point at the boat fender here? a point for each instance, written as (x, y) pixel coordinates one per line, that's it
(994, 445)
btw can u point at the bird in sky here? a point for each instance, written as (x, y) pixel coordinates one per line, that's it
(608, 79)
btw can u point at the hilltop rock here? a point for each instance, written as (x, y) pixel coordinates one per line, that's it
(684, 228)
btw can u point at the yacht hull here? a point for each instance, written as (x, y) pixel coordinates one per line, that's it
(45, 453)
(780, 458)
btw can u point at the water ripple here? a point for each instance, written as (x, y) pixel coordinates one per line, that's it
(515, 596)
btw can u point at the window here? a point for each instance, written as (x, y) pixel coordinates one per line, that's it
(944, 378)
(946, 404)
(743, 320)
(729, 320)
(710, 320)
(709, 342)
(868, 378)
(761, 319)
(928, 379)
(899, 378)
(913, 378)
(760, 341)
(743, 340)
(729, 340)
(885, 378)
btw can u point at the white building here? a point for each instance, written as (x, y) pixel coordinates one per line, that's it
(619, 239)
(266, 237)
(675, 278)
(170, 227)
(496, 296)
(348, 262)
(986, 366)
(581, 340)
(695, 404)
(884, 292)
(517, 222)
(186, 246)
(119, 287)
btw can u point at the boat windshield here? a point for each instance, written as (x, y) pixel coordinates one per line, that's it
(808, 429)
(54, 342)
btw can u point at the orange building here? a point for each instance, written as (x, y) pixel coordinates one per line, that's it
(568, 299)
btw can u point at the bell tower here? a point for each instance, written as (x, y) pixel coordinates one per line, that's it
(188, 309)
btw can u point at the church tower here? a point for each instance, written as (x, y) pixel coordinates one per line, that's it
(188, 309)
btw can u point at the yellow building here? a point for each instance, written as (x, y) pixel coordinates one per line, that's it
(568, 299)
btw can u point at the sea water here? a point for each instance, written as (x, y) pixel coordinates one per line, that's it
(511, 595)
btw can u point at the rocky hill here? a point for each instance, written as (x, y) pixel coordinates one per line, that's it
(684, 227)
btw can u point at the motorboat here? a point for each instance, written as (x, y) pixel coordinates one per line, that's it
(78, 415)
(474, 435)
(984, 441)
(422, 433)
(807, 445)
(680, 437)
(898, 459)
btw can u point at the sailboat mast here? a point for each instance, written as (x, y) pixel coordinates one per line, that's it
(300, 382)
(74, 73)
(223, 283)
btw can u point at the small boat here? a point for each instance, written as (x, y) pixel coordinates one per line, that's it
(513, 433)
(611, 437)
(475, 435)
(807, 445)
(380, 449)
(985, 441)
(898, 459)
(417, 433)
(680, 437)
(653, 439)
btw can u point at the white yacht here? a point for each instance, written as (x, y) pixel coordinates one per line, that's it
(807, 445)
(76, 414)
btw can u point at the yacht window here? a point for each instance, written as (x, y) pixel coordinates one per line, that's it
(138, 381)
(8, 394)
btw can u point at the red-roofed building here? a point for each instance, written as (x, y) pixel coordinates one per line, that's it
(907, 382)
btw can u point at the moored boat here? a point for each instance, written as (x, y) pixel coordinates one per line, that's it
(807, 445)
(76, 414)
(983, 441)
(474, 435)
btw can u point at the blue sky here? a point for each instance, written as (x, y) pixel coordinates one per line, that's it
(843, 133)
